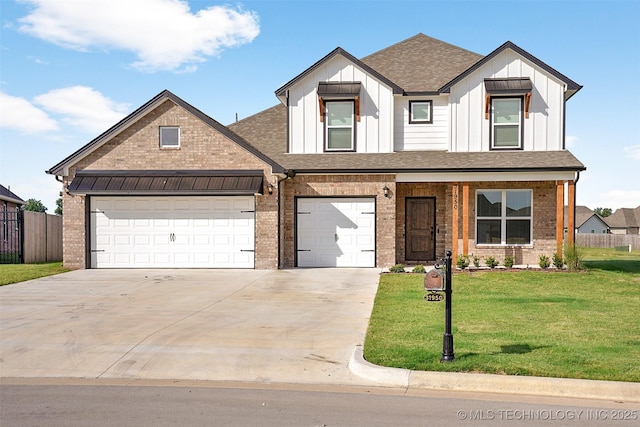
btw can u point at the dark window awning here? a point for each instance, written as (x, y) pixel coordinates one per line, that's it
(167, 182)
(509, 86)
(339, 90)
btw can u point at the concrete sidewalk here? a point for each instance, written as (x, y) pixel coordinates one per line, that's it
(296, 326)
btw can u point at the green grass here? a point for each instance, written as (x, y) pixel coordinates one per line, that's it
(14, 273)
(535, 323)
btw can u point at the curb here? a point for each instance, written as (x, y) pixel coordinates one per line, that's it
(489, 383)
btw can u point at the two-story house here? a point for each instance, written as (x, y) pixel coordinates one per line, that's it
(393, 158)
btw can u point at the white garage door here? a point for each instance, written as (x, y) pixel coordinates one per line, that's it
(336, 232)
(172, 232)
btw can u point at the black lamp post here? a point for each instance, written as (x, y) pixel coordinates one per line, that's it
(447, 339)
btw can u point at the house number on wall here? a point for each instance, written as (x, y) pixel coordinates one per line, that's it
(455, 197)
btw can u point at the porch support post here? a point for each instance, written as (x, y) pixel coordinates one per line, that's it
(559, 215)
(571, 214)
(465, 218)
(454, 220)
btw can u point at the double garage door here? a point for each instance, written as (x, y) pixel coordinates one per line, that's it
(172, 232)
(336, 232)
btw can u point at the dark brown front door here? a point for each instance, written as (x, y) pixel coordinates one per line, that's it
(420, 218)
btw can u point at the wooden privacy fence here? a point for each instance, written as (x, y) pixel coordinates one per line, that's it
(42, 237)
(608, 240)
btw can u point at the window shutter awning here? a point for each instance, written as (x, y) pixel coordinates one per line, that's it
(339, 90)
(508, 86)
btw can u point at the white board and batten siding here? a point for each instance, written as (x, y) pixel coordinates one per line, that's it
(543, 130)
(417, 136)
(336, 232)
(172, 232)
(374, 131)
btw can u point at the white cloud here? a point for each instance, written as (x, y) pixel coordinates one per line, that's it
(21, 115)
(621, 199)
(82, 107)
(570, 141)
(633, 152)
(163, 34)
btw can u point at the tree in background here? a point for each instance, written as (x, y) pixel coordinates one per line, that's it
(603, 212)
(34, 205)
(58, 210)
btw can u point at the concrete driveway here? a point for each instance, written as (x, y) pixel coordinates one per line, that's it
(239, 325)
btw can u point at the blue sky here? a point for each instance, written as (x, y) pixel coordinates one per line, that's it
(70, 69)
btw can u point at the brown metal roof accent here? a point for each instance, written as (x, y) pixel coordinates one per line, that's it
(339, 89)
(163, 182)
(515, 85)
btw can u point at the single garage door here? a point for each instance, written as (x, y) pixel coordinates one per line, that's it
(172, 232)
(336, 232)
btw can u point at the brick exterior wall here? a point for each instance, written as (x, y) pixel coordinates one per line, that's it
(201, 147)
(443, 216)
(544, 221)
(338, 186)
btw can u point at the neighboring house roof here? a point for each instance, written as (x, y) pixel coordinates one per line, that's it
(9, 196)
(572, 87)
(60, 168)
(583, 214)
(624, 218)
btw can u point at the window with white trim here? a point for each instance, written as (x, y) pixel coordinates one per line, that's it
(340, 132)
(504, 217)
(506, 123)
(169, 137)
(420, 112)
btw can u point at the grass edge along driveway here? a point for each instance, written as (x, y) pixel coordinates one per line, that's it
(533, 323)
(14, 273)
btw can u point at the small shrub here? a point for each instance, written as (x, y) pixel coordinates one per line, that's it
(558, 261)
(476, 261)
(398, 268)
(573, 258)
(492, 262)
(419, 269)
(543, 261)
(462, 261)
(509, 261)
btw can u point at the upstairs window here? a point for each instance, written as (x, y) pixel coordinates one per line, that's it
(340, 132)
(504, 217)
(169, 137)
(506, 123)
(420, 112)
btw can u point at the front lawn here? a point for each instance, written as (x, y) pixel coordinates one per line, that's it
(538, 323)
(14, 273)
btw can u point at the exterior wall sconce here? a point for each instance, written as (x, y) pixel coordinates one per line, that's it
(385, 190)
(270, 188)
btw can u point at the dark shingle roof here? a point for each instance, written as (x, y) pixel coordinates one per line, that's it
(421, 63)
(10, 196)
(624, 218)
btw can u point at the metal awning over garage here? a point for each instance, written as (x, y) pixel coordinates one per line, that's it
(167, 182)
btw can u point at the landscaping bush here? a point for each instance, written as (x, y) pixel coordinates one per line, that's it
(462, 261)
(558, 261)
(476, 261)
(509, 261)
(398, 268)
(543, 261)
(573, 258)
(419, 269)
(492, 262)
